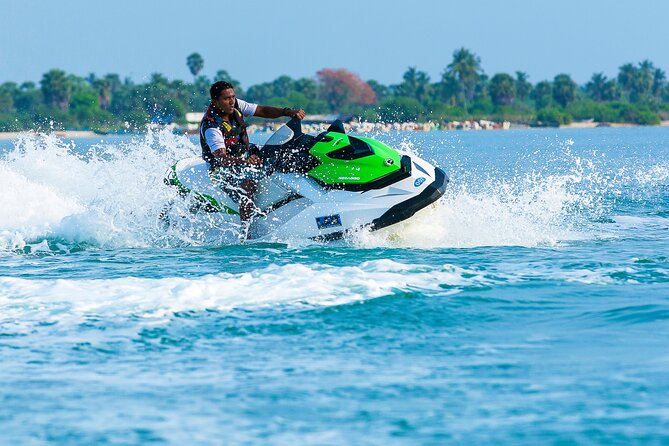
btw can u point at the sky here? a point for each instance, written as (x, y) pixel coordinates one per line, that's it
(258, 41)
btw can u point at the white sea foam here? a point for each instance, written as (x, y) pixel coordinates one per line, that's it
(112, 195)
(529, 211)
(543, 199)
(24, 302)
(655, 175)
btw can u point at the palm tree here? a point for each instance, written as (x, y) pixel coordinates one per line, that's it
(638, 82)
(195, 63)
(6, 97)
(115, 81)
(104, 87)
(596, 87)
(423, 85)
(626, 77)
(57, 89)
(465, 69)
(447, 89)
(415, 84)
(502, 89)
(611, 90)
(379, 89)
(410, 85)
(659, 81)
(645, 79)
(542, 94)
(564, 89)
(523, 85)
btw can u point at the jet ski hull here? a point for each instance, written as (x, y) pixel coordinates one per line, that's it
(295, 205)
(317, 187)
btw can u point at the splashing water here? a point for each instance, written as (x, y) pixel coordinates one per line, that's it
(110, 194)
(558, 200)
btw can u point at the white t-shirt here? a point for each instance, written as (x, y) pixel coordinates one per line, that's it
(214, 136)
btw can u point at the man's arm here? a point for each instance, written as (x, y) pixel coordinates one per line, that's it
(228, 160)
(269, 112)
(215, 140)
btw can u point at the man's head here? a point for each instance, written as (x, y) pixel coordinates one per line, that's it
(223, 96)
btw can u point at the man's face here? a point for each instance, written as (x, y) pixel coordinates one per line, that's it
(226, 101)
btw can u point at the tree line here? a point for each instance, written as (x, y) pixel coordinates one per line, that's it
(638, 94)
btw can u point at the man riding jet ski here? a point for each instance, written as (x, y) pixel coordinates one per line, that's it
(226, 147)
(318, 187)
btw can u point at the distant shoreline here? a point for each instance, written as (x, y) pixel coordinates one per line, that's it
(574, 125)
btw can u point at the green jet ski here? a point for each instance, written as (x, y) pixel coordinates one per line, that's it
(317, 187)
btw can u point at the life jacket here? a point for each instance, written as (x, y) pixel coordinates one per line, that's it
(234, 132)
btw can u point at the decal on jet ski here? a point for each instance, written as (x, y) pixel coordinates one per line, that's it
(328, 221)
(419, 181)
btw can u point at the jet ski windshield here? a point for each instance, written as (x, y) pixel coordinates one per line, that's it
(281, 136)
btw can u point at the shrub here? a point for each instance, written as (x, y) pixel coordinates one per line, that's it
(552, 117)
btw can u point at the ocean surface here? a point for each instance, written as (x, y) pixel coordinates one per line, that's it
(530, 305)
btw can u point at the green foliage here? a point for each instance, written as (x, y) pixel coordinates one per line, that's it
(638, 94)
(9, 122)
(482, 106)
(466, 70)
(523, 86)
(27, 98)
(84, 105)
(638, 114)
(542, 94)
(587, 109)
(646, 117)
(416, 85)
(564, 89)
(380, 90)
(552, 117)
(642, 83)
(7, 97)
(502, 89)
(601, 89)
(56, 89)
(615, 111)
(446, 112)
(400, 109)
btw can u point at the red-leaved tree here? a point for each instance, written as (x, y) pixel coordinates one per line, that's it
(340, 87)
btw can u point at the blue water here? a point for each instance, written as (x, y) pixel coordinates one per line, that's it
(529, 306)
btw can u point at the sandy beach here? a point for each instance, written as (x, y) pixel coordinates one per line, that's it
(593, 124)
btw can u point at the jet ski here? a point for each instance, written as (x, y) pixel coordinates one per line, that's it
(319, 187)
